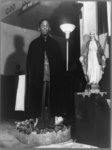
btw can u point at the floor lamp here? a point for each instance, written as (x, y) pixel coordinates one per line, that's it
(67, 28)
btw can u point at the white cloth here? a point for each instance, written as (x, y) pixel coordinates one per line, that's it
(20, 95)
(94, 71)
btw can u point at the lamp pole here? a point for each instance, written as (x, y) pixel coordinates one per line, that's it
(67, 35)
(67, 54)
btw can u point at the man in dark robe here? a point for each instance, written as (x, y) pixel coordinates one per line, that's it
(45, 46)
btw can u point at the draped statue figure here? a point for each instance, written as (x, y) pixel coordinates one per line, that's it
(93, 63)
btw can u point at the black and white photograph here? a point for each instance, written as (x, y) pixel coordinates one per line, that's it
(55, 87)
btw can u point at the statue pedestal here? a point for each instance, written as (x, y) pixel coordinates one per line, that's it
(93, 88)
(92, 114)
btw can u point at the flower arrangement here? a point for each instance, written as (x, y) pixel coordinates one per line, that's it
(31, 125)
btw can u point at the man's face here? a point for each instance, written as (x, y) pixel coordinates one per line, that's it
(44, 27)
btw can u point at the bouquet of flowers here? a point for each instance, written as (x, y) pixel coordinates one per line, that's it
(31, 125)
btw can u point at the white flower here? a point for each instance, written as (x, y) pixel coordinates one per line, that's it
(36, 122)
(58, 120)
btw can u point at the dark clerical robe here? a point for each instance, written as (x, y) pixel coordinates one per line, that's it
(35, 77)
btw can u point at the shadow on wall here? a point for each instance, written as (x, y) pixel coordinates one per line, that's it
(16, 62)
(14, 66)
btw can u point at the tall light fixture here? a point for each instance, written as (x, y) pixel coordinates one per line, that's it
(67, 28)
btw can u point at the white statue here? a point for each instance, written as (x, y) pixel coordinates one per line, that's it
(93, 63)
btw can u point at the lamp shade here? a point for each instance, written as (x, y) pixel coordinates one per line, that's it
(67, 27)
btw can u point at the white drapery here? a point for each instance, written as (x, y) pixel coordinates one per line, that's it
(20, 94)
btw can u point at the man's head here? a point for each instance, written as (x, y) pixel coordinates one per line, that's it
(92, 35)
(44, 27)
